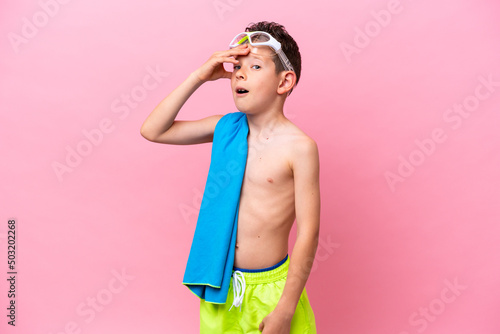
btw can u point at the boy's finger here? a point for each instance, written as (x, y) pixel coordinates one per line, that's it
(236, 51)
(241, 46)
(239, 50)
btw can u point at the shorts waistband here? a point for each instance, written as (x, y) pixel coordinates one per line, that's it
(265, 275)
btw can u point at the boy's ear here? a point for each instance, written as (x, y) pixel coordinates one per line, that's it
(287, 82)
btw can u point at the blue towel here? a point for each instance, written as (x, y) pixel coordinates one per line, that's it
(211, 258)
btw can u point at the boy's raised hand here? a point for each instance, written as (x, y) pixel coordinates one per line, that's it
(213, 68)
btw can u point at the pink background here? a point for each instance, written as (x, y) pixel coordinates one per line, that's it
(376, 93)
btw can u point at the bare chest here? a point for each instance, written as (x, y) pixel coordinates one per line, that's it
(268, 166)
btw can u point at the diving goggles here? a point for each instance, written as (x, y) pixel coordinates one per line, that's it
(261, 38)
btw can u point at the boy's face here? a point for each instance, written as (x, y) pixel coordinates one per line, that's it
(256, 73)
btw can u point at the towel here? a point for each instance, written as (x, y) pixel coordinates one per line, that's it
(211, 258)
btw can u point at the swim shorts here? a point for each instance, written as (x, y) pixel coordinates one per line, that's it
(256, 294)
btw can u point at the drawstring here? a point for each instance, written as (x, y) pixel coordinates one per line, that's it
(238, 286)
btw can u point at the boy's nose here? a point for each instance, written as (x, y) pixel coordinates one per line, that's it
(240, 74)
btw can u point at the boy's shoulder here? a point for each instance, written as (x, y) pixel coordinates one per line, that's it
(299, 145)
(296, 135)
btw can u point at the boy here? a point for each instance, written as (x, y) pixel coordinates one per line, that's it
(280, 183)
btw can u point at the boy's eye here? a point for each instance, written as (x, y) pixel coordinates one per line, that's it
(237, 66)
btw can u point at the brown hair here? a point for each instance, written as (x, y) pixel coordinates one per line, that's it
(288, 45)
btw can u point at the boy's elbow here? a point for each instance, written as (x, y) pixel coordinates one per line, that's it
(145, 134)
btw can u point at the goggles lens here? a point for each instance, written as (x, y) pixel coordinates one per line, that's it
(255, 39)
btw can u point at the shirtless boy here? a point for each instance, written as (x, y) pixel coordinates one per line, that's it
(280, 184)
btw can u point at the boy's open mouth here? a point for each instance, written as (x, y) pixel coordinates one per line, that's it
(241, 91)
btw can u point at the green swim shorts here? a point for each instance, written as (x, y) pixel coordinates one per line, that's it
(256, 294)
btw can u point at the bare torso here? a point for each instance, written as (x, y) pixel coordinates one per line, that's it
(267, 200)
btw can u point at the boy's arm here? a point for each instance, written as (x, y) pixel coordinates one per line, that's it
(161, 126)
(305, 166)
(164, 114)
